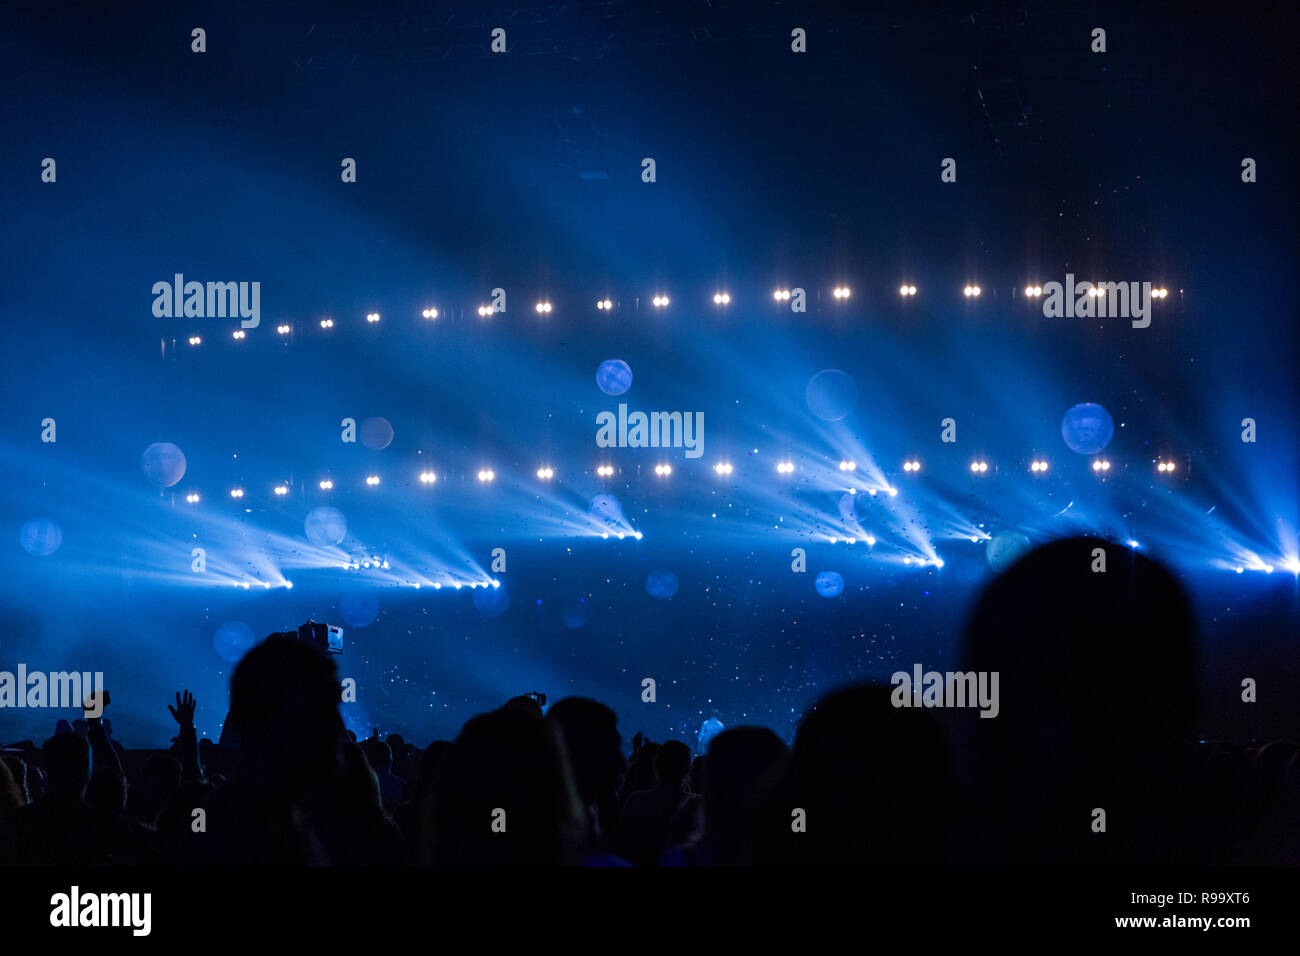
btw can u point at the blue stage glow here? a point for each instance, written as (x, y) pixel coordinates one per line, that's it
(630, 557)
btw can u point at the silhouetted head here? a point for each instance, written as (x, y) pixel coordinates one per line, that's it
(1094, 666)
(67, 765)
(357, 784)
(284, 705)
(875, 780)
(525, 704)
(508, 796)
(378, 754)
(738, 759)
(434, 761)
(591, 737)
(697, 774)
(672, 763)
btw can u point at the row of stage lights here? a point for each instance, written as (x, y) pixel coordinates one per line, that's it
(544, 307)
(1035, 291)
(722, 468)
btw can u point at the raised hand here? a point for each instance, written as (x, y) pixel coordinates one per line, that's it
(184, 709)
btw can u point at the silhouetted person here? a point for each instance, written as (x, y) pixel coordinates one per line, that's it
(508, 798)
(1098, 693)
(284, 710)
(870, 783)
(349, 818)
(647, 813)
(59, 829)
(737, 761)
(392, 788)
(415, 818)
(593, 744)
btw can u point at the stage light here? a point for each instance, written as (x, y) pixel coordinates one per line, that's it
(979, 467)
(288, 585)
(1132, 544)
(782, 295)
(1033, 291)
(239, 334)
(487, 474)
(195, 340)
(971, 291)
(912, 465)
(192, 498)
(1096, 291)
(372, 317)
(484, 311)
(1166, 467)
(430, 313)
(372, 480)
(1292, 565)
(723, 468)
(848, 465)
(840, 292)
(1159, 293)
(281, 490)
(659, 301)
(721, 298)
(236, 492)
(605, 471)
(893, 492)
(543, 307)
(283, 329)
(604, 304)
(326, 485)
(663, 471)
(1100, 465)
(1037, 466)
(327, 323)
(427, 477)
(546, 474)
(785, 467)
